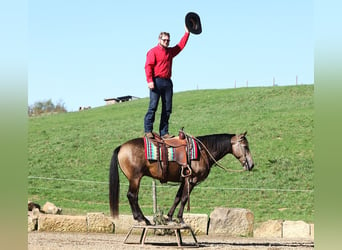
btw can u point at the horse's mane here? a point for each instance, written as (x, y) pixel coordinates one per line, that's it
(217, 144)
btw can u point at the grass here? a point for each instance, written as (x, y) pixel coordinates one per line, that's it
(69, 153)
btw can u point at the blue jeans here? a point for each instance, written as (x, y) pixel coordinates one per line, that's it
(163, 88)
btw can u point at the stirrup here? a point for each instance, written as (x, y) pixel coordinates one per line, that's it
(186, 171)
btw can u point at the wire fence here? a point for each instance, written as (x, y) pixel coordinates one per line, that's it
(167, 186)
(79, 196)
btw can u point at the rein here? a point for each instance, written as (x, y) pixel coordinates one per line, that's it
(212, 157)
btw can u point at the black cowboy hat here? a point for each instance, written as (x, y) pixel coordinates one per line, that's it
(193, 23)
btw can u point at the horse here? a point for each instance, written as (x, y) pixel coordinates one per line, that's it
(130, 156)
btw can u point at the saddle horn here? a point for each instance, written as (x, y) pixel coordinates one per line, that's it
(181, 134)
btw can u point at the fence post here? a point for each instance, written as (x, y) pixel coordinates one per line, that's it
(154, 196)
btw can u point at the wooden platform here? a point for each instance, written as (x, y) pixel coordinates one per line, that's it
(177, 229)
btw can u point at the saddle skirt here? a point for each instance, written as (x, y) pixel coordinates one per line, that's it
(151, 150)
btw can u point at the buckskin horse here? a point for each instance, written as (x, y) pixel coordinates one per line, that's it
(133, 163)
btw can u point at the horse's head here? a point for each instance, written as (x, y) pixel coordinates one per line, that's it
(241, 151)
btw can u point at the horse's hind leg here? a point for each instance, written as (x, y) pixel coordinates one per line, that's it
(176, 201)
(132, 196)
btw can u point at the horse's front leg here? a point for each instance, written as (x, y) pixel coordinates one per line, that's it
(185, 195)
(176, 201)
(132, 196)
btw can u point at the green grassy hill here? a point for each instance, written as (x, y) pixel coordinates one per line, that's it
(69, 153)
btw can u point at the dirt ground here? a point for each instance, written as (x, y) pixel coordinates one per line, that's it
(87, 241)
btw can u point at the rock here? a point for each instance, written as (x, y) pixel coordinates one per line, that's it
(269, 229)
(296, 229)
(231, 222)
(62, 223)
(32, 219)
(32, 223)
(198, 222)
(34, 214)
(124, 223)
(50, 208)
(98, 223)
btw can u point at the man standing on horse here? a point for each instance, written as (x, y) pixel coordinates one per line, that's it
(158, 69)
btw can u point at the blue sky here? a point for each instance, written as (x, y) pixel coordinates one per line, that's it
(80, 52)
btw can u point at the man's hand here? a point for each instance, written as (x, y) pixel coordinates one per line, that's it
(150, 85)
(186, 29)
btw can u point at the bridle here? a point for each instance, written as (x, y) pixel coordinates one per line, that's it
(217, 163)
(244, 160)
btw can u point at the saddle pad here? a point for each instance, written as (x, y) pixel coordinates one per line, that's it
(151, 150)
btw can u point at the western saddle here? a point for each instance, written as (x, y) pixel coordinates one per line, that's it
(182, 147)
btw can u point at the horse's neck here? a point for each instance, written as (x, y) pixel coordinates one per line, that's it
(218, 145)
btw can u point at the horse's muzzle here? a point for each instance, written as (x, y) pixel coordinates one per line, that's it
(248, 165)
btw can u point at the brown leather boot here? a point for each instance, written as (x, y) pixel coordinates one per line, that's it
(149, 135)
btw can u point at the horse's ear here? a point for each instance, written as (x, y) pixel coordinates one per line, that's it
(242, 136)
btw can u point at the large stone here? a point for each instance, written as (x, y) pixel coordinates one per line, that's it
(31, 224)
(124, 223)
(34, 213)
(231, 222)
(99, 223)
(296, 229)
(50, 208)
(32, 219)
(198, 222)
(269, 229)
(62, 223)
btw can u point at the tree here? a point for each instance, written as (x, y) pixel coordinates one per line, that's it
(45, 107)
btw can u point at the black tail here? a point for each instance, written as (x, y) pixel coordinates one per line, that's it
(114, 184)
